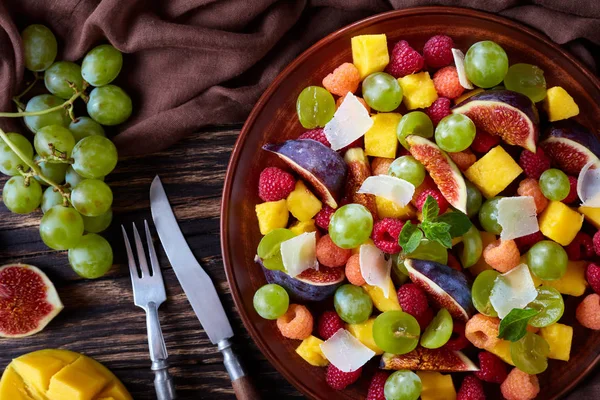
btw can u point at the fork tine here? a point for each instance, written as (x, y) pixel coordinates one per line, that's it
(153, 258)
(141, 253)
(133, 271)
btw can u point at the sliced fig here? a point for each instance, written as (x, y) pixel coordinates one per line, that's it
(442, 169)
(504, 113)
(570, 146)
(324, 168)
(422, 359)
(28, 301)
(358, 170)
(447, 287)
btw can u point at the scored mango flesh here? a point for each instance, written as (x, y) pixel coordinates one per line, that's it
(59, 375)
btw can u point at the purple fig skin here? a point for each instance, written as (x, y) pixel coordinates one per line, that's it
(324, 168)
(572, 130)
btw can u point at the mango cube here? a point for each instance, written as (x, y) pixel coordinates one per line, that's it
(77, 381)
(370, 54)
(388, 209)
(38, 369)
(381, 139)
(573, 282)
(272, 215)
(436, 386)
(310, 351)
(502, 350)
(381, 302)
(591, 214)
(12, 386)
(559, 104)
(302, 203)
(560, 223)
(418, 90)
(493, 172)
(364, 333)
(559, 337)
(300, 227)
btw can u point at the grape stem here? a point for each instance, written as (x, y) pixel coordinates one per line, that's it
(67, 105)
(17, 98)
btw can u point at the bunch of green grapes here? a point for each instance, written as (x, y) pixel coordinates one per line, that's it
(62, 170)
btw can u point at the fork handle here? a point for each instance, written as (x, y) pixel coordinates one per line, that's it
(163, 383)
(242, 386)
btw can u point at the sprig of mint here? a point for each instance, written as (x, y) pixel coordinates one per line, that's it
(435, 227)
(514, 325)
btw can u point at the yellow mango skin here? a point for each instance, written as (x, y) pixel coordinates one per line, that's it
(300, 227)
(302, 203)
(369, 54)
(310, 351)
(272, 215)
(493, 172)
(560, 223)
(381, 139)
(381, 302)
(418, 90)
(502, 350)
(559, 338)
(364, 333)
(559, 104)
(436, 386)
(573, 282)
(481, 265)
(591, 214)
(388, 209)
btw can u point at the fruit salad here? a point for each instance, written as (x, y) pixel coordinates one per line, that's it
(431, 217)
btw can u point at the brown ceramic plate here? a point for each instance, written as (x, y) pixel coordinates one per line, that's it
(274, 120)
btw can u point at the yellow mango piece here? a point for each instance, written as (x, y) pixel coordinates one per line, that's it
(310, 351)
(116, 391)
(436, 386)
(559, 104)
(573, 282)
(388, 209)
(364, 333)
(466, 95)
(272, 215)
(502, 350)
(38, 368)
(77, 381)
(12, 386)
(560, 223)
(369, 54)
(302, 203)
(381, 302)
(591, 214)
(559, 337)
(481, 265)
(418, 90)
(356, 250)
(300, 227)
(493, 172)
(381, 139)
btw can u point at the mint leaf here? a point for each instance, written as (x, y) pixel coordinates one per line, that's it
(514, 325)
(438, 231)
(459, 222)
(406, 234)
(430, 208)
(413, 241)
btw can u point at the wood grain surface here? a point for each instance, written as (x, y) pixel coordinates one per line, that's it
(100, 319)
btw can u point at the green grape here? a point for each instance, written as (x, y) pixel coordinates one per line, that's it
(472, 247)
(399, 271)
(83, 127)
(58, 76)
(94, 157)
(353, 304)
(61, 227)
(109, 105)
(54, 136)
(414, 123)
(439, 330)
(56, 172)
(481, 291)
(382, 92)
(474, 199)
(555, 184)
(526, 79)
(91, 257)
(550, 304)
(40, 47)
(92, 197)
(455, 132)
(19, 198)
(271, 301)
(269, 248)
(73, 178)
(488, 216)
(486, 64)
(101, 65)
(396, 332)
(51, 198)
(350, 226)
(409, 169)
(431, 251)
(547, 260)
(41, 103)
(9, 160)
(403, 385)
(315, 107)
(530, 353)
(97, 224)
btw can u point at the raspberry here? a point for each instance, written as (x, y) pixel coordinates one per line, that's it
(463, 159)
(404, 60)
(458, 340)
(323, 217)
(353, 271)
(531, 187)
(453, 262)
(329, 323)
(317, 134)
(588, 312)
(524, 243)
(438, 51)
(534, 164)
(447, 84)
(438, 110)
(338, 379)
(376, 386)
(343, 80)
(471, 389)
(572, 197)
(582, 247)
(340, 100)
(296, 323)
(380, 166)
(330, 255)
(482, 331)
(483, 142)
(520, 386)
(437, 195)
(596, 241)
(275, 184)
(592, 275)
(412, 300)
(491, 368)
(385, 235)
(502, 255)
(403, 152)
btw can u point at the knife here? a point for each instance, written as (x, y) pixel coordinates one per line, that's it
(198, 288)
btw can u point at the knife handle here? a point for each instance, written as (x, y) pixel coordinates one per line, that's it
(242, 386)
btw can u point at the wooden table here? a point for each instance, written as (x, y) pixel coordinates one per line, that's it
(100, 319)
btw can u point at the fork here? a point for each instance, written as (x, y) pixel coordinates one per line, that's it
(148, 294)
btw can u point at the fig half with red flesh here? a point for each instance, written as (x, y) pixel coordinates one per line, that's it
(442, 170)
(571, 146)
(422, 359)
(28, 301)
(504, 113)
